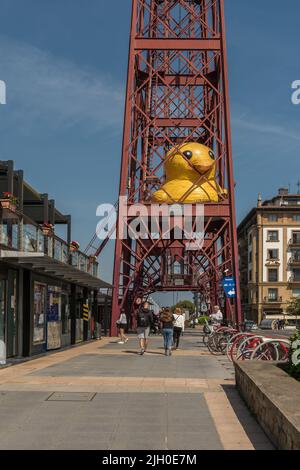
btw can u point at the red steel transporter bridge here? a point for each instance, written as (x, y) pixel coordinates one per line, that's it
(177, 94)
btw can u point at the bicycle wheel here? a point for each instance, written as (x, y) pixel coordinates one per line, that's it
(272, 350)
(212, 344)
(247, 346)
(233, 350)
(265, 352)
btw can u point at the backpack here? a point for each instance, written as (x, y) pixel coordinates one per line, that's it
(143, 319)
(166, 317)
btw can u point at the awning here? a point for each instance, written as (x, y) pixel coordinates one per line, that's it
(43, 264)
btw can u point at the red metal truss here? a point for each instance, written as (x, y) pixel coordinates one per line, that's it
(177, 92)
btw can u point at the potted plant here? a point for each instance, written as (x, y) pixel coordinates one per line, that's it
(74, 246)
(8, 201)
(47, 229)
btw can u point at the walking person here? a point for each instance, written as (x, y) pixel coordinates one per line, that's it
(178, 326)
(144, 323)
(122, 325)
(167, 322)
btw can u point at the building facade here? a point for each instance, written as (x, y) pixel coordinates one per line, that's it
(269, 257)
(49, 289)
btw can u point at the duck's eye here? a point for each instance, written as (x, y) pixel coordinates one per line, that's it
(188, 154)
(212, 155)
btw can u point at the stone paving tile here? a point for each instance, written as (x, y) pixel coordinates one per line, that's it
(183, 402)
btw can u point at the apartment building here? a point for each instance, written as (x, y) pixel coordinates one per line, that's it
(269, 257)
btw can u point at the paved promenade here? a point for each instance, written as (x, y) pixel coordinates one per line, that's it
(103, 395)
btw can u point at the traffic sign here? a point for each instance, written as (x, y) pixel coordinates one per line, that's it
(229, 285)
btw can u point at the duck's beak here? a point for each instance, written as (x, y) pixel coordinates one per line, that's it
(204, 167)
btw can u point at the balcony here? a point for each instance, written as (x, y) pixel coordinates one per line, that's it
(294, 261)
(24, 242)
(273, 300)
(294, 242)
(294, 280)
(273, 262)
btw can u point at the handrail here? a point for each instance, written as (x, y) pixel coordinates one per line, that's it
(21, 233)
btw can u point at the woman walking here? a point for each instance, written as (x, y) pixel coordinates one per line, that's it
(122, 324)
(178, 326)
(167, 322)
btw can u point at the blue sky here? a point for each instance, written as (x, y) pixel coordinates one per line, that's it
(64, 62)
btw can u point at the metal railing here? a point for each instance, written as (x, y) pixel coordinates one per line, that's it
(294, 279)
(20, 233)
(294, 260)
(273, 300)
(294, 242)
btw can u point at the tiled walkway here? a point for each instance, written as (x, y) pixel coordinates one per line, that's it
(104, 396)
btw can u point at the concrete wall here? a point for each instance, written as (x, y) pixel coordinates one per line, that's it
(274, 398)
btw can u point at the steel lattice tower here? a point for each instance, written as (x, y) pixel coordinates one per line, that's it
(177, 92)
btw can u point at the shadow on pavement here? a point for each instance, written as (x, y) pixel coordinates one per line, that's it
(255, 433)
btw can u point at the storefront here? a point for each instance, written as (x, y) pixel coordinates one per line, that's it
(42, 312)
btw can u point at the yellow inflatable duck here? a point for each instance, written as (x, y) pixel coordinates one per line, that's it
(190, 176)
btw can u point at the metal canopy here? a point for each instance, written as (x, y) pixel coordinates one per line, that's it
(49, 266)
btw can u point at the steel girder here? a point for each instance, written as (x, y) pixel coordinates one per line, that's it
(177, 92)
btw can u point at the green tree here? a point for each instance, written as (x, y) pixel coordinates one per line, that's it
(185, 305)
(293, 308)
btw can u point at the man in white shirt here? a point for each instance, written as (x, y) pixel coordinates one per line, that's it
(217, 316)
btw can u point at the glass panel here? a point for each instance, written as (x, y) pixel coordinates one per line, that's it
(65, 253)
(39, 313)
(296, 274)
(273, 294)
(296, 237)
(41, 242)
(82, 262)
(65, 314)
(30, 238)
(2, 309)
(273, 236)
(54, 318)
(273, 254)
(95, 270)
(57, 250)
(10, 233)
(296, 292)
(15, 235)
(273, 275)
(296, 255)
(50, 247)
(75, 259)
(12, 314)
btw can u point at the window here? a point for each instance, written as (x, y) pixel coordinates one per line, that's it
(296, 256)
(296, 274)
(273, 295)
(273, 275)
(250, 256)
(273, 218)
(250, 238)
(296, 218)
(273, 236)
(250, 276)
(296, 292)
(39, 313)
(65, 314)
(273, 254)
(296, 238)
